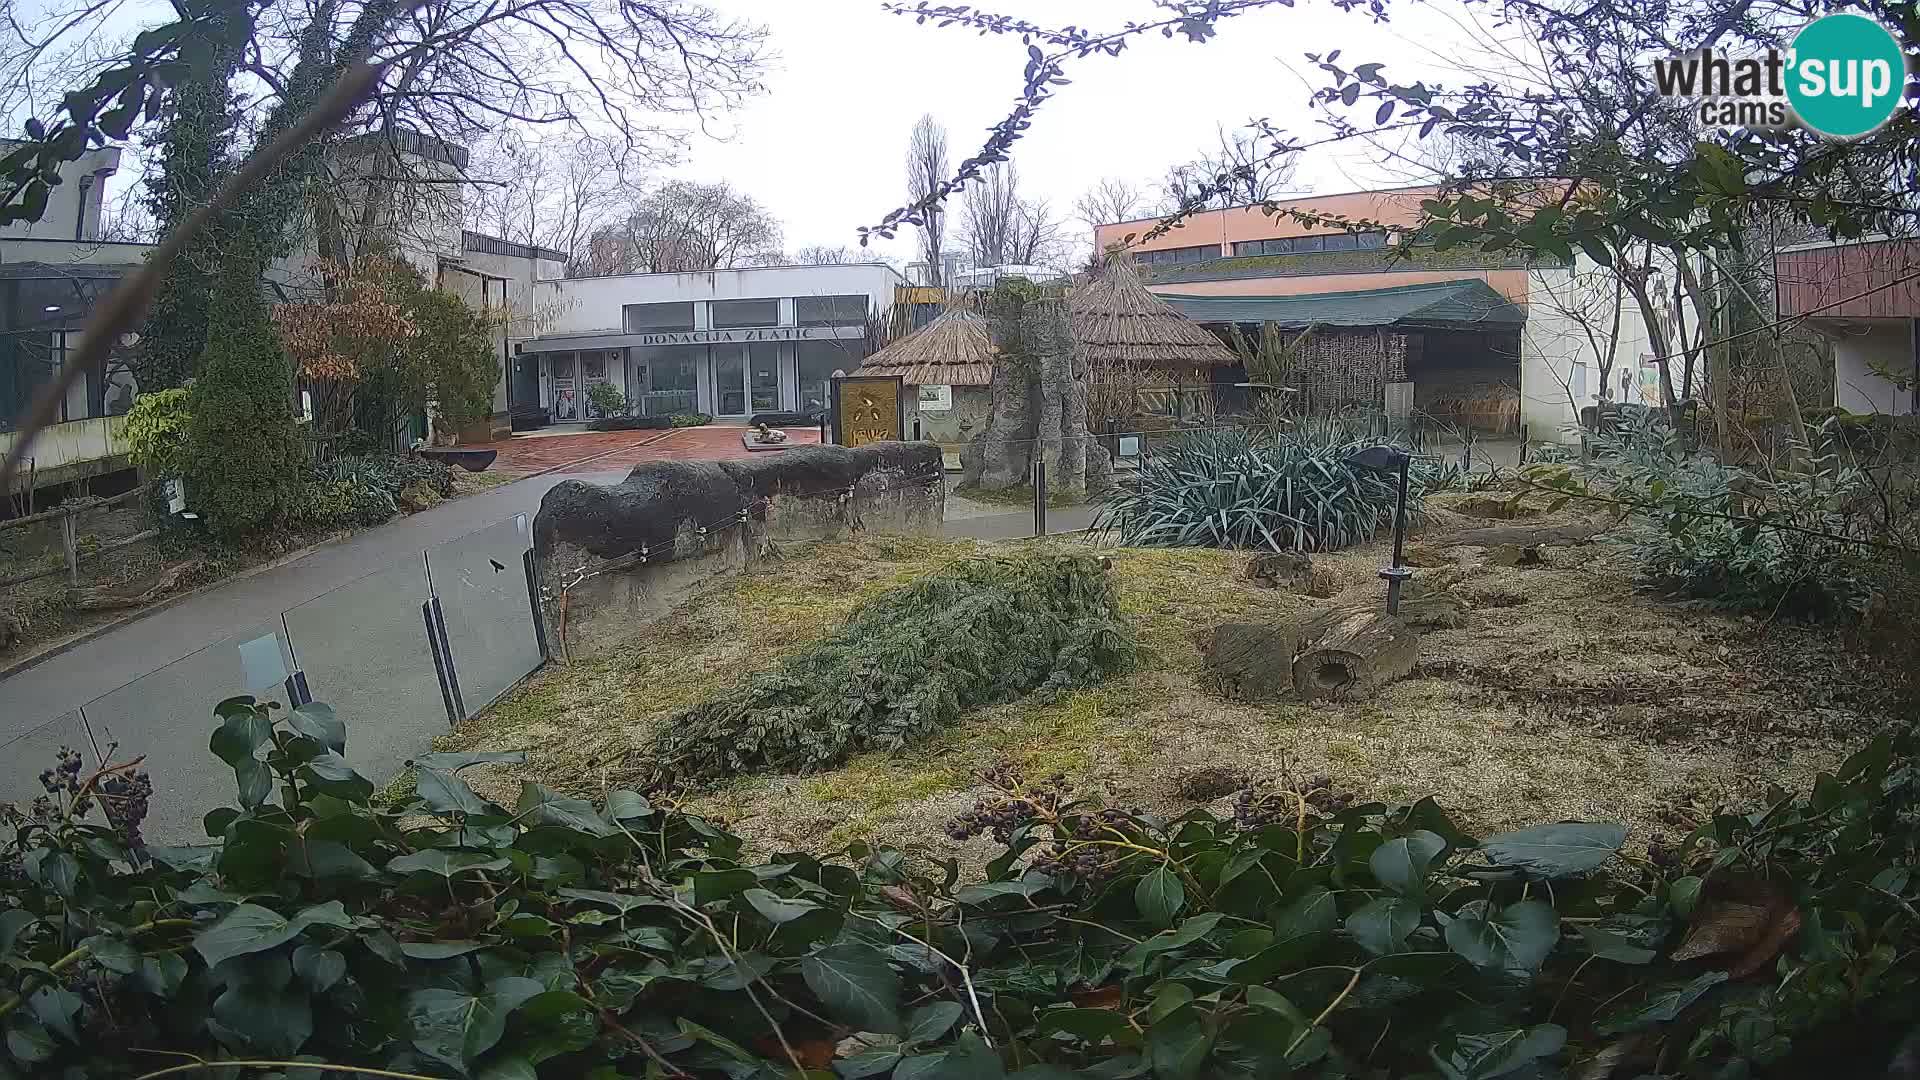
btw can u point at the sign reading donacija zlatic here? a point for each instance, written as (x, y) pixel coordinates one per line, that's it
(722, 337)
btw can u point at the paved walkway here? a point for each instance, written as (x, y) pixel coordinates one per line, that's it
(605, 451)
(354, 625)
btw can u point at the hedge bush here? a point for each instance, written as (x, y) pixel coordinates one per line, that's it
(359, 491)
(906, 664)
(243, 456)
(1307, 936)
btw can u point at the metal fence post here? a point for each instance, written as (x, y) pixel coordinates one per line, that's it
(443, 660)
(70, 547)
(533, 595)
(1039, 496)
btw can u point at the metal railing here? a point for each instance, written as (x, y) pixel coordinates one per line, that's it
(402, 654)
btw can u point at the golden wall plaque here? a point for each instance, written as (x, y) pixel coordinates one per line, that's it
(866, 409)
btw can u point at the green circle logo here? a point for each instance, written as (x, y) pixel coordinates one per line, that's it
(1847, 75)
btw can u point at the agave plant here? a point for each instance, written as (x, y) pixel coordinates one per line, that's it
(1290, 492)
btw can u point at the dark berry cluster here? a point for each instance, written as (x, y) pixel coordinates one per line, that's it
(1663, 854)
(1081, 850)
(1262, 804)
(1012, 803)
(126, 797)
(63, 782)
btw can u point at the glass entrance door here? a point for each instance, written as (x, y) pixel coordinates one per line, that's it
(730, 380)
(763, 370)
(566, 402)
(593, 372)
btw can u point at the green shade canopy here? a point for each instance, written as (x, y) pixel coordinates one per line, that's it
(1443, 304)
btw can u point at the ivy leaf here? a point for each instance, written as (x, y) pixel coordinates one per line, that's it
(1383, 926)
(57, 870)
(712, 885)
(248, 928)
(1552, 851)
(12, 921)
(1516, 940)
(1611, 946)
(929, 1022)
(1662, 1004)
(1485, 1055)
(445, 793)
(56, 1006)
(1177, 1044)
(857, 985)
(454, 761)
(330, 774)
(447, 864)
(319, 968)
(28, 1042)
(1401, 864)
(871, 1063)
(318, 722)
(161, 973)
(538, 806)
(114, 954)
(777, 909)
(273, 1020)
(1160, 896)
(456, 1027)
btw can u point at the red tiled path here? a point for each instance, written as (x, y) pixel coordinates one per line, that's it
(610, 451)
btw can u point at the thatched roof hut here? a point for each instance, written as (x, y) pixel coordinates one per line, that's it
(952, 350)
(1119, 324)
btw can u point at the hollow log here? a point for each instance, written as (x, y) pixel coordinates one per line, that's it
(1350, 653)
(1253, 661)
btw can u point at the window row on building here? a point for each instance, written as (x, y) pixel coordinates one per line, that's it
(1295, 245)
(1175, 256)
(732, 379)
(683, 315)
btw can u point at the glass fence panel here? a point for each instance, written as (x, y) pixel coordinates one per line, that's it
(24, 755)
(364, 650)
(481, 581)
(168, 716)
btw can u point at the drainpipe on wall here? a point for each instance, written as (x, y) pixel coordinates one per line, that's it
(80, 213)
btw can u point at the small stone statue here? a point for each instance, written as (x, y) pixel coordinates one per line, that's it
(771, 436)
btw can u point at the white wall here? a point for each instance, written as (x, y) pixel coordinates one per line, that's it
(585, 305)
(73, 205)
(1554, 348)
(1860, 347)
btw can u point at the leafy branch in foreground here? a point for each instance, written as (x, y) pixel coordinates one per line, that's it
(454, 936)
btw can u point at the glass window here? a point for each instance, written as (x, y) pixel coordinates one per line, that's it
(830, 310)
(667, 379)
(658, 318)
(1371, 240)
(1342, 242)
(818, 361)
(732, 314)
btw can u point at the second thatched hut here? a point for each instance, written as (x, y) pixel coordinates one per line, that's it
(947, 366)
(1141, 355)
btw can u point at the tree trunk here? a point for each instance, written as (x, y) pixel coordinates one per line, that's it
(1039, 403)
(1349, 653)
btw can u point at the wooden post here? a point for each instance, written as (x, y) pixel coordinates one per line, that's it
(70, 545)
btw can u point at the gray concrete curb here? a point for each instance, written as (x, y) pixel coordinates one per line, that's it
(83, 637)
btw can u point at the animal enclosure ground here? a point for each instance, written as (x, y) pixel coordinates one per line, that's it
(1568, 693)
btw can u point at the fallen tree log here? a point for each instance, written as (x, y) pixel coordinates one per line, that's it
(1351, 653)
(1253, 661)
(133, 593)
(1527, 536)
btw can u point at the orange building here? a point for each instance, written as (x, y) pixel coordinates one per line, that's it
(1506, 332)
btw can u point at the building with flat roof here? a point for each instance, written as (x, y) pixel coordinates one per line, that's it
(728, 343)
(1863, 296)
(1480, 339)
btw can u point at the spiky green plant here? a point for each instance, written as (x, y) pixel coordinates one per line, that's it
(1288, 492)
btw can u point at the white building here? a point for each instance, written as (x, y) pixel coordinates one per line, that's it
(728, 343)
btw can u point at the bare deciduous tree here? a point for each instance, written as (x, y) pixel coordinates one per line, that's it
(553, 192)
(1108, 201)
(926, 171)
(1239, 171)
(684, 226)
(1003, 229)
(823, 255)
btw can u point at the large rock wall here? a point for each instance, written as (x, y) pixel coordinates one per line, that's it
(609, 556)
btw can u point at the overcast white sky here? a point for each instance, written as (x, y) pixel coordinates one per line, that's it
(824, 147)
